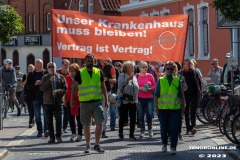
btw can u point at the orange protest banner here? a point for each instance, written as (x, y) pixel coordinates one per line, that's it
(156, 38)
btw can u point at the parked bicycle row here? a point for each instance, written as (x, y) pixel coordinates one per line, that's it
(221, 107)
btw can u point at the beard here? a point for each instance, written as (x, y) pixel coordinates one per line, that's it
(89, 66)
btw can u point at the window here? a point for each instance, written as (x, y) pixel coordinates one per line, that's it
(203, 31)
(236, 44)
(48, 22)
(143, 14)
(238, 48)
(132, 1)
(90, 6)
(46, 58)
(190, 44)
(34, 23)
(154, 13)
(15, 58)
(30, 59)
(29, 24)
(165, 12)
(190, 37)
(3, 56)
(80, 6)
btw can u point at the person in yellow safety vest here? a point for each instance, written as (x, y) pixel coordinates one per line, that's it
(169, 105)
(89, 82)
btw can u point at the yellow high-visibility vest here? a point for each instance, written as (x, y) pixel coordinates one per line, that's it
(90, 88)
(169, 94)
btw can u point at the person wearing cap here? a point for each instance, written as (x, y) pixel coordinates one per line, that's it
(226, 75)
(215, 72)
(9, 82)
(19, 88)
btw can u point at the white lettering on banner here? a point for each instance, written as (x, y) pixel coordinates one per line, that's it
(134, 26)
(104, 32)
(63, 19)
(73, 31)
(70, 20)
(131, 49)
(74, 47)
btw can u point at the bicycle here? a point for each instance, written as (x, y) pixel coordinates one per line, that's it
(236, 128)
(200, 113)
(6, 103)
(233, 110)
(217, 102)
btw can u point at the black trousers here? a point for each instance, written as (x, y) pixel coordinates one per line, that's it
(190, 111)
(72, 121)
(56, 111)
(65, 117)
(29, 103)
(123, 112)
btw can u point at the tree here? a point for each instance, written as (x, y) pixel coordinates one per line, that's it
(10, 23)
(229, 8)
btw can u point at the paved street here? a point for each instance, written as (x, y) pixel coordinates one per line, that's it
(23, 144)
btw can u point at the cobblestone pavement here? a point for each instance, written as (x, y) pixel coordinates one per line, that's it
(28, 146)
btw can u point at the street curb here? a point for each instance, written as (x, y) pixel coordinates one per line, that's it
(3, 153)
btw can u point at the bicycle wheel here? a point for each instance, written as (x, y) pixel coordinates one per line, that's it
(6, 107)
(223, 112)
(213, 110)
(236, 128)
(200, 114)
(227, 124)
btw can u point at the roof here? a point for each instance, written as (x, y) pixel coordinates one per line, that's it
(110, 5)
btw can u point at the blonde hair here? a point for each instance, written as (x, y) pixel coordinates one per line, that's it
(126, 65)
(31, 65)
(190, 62)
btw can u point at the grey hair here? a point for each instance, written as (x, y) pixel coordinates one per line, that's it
(141, 64)
(54, 64)
(126, 65)
(39, 60)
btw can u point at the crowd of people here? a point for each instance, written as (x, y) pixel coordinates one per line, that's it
(78, 96)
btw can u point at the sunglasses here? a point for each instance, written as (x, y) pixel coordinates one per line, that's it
(17, 68)
(50, 66)
(169, 69)
(145, 67)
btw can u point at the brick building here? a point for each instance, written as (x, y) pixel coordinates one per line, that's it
(35, 41)
(204, 43)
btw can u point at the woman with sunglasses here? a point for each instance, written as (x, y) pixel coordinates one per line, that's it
(147, 85)
(169, 106)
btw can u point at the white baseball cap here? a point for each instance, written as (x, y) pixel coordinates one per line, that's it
(228, 55)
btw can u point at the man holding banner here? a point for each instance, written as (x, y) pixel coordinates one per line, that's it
(90, 84)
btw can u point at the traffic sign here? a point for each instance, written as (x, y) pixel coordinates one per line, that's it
(224, 23)
(232, 64)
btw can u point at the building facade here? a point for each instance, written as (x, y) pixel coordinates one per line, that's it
(204, 41)
(35, 40)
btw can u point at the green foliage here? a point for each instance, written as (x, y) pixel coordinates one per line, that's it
(229, 8)
(10, 24)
